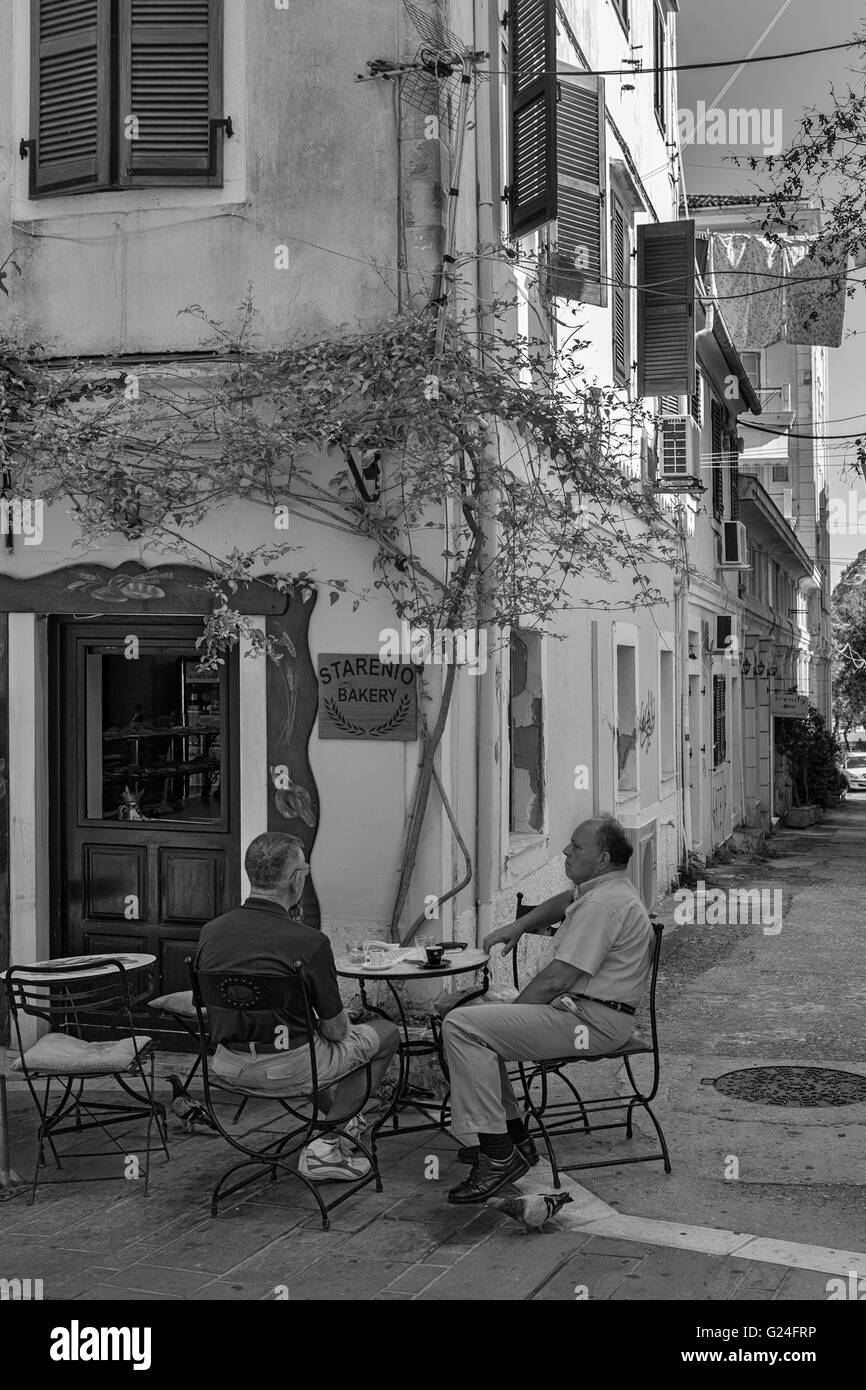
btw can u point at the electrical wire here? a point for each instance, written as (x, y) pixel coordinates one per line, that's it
(629, 71)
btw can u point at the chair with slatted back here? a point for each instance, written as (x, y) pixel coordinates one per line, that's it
(573, 1116)
(285, 996)
(72, 1003)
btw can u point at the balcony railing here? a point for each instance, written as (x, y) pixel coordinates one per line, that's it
(775, 398)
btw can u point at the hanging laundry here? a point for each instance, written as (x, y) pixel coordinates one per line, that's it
(816, 292)
(747, 274)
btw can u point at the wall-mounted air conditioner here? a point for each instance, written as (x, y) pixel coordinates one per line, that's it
(643, 865)
(679, 448)
(735, 555)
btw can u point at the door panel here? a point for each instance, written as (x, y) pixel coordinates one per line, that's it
(146, 828)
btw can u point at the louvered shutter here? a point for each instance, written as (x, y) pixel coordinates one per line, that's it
(171, 83)
(697, 401)
(70, 99)
(579, 259)
(666, 308)
(532, 181)
(735, 480)
(619, 295)
(718, 477)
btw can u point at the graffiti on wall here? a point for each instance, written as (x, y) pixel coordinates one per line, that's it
(646, 722)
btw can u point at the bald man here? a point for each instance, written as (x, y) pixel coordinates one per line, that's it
(602, 959)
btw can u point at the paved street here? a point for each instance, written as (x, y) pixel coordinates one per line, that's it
(729, 997)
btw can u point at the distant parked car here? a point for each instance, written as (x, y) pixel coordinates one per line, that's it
(854, 772)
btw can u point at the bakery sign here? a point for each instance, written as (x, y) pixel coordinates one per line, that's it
(364, 697)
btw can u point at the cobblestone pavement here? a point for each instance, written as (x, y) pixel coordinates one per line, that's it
(729, 996)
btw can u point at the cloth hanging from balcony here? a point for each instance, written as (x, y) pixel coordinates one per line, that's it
(768, 291)
(747, 275)
(816, 292)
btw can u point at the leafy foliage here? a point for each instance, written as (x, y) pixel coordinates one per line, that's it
(813, 758)
(486, 479)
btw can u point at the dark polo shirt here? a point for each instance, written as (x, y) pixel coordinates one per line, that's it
(262, 939)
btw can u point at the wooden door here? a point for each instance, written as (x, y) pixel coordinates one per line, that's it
(146, 820)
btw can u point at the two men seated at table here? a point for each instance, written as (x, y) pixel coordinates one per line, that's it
(261, 938)
(602, 960)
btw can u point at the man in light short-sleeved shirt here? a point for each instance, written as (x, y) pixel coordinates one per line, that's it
(601, 964)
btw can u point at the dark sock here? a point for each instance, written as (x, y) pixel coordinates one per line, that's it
(517, 1131)
(499, 1147)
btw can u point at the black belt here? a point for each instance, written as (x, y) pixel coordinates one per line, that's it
(609, 1004)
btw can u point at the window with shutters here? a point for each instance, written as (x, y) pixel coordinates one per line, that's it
(659, 35)
(666, 308)
(620, 293)
(697, 399)
(532, 144)
(717, 464)
(735, 479)
(720, 736)
(578, 258)
(125, 94)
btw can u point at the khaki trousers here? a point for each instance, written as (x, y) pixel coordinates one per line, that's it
(480, 1040)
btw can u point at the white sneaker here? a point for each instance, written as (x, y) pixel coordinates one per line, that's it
(325, 1161)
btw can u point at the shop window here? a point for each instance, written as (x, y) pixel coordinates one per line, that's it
(154, 737)
(626, 718)
(526, 731)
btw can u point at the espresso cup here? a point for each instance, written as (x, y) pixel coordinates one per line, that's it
(434, 954)
(377, 958)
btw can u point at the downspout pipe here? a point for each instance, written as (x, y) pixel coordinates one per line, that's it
(488, 780)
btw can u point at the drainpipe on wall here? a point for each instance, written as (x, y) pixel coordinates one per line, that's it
(681, 595)
(488, 798)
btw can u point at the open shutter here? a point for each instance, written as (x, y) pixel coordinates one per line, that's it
(532, 59)
(666, 308)
(717, 465)
(619, 294)
(170, 91)
(579, 260)
(70, 63)
(735, 478)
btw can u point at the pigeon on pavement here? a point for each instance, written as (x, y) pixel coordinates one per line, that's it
(532, 1211)
(187, 1110)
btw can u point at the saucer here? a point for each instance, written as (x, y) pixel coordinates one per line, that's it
(425, 964)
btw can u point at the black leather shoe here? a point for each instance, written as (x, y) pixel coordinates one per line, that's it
(468, 1154)
(487, 1178)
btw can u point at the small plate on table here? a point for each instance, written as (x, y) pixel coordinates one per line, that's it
(425, 964)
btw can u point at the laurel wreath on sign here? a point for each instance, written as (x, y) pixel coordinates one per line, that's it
(380, 729)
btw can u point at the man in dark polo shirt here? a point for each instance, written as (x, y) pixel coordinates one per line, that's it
(261, 938)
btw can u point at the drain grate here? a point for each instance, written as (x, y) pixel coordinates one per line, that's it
(792, 1086)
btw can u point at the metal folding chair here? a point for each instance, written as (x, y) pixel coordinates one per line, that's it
(68, 1002)
(573, 1116)
(285, 996)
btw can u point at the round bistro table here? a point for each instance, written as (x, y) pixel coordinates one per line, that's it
(408, 966)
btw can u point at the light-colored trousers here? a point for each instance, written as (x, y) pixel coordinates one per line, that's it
(479, 1041)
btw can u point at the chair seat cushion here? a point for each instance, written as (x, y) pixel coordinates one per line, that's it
(180, 1004)
(58, 1054)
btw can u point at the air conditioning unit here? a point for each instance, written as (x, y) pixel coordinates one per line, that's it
(735, 555)
(643, 865)
(679, 447)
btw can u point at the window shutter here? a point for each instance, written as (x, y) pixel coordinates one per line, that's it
(697, 402)
(619, 295)
(171, 83)
(70, 63)
(579, 260)
(735, 480)
(532, 183)
(720, 749)
(666, 308)
(717, 420)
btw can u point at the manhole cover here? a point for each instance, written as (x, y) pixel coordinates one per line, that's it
(793, 1086)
